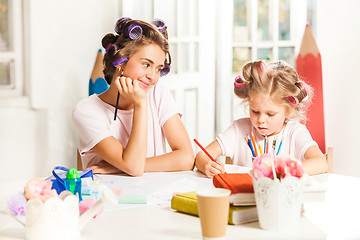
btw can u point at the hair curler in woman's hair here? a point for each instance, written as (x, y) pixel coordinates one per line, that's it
(165, 71)
(134, 31)
(159, 24)
(119, 61)
(239, 82)
(118, 29)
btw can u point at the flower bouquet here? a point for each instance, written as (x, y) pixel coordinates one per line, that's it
(278, 189)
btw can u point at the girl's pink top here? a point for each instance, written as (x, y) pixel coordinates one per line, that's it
(94, 121)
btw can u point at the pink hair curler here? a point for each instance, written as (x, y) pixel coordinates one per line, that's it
(239, 82)
(293, 100)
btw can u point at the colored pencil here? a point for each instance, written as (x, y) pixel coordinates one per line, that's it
(265, 144)
(251, 147)
(254, 144)
(279, 146)
(204, 150)
(261, 152)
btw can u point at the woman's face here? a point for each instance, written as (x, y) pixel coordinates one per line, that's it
(145, 65)
(267, 116)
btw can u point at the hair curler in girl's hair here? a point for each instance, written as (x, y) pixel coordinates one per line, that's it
(307, 90)
(304, 91)
(239, 82)
(134, 31)
(293, 100)
(119, 61)
(159, 24)
(165, 71)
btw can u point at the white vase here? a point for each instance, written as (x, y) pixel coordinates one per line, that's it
(278, 203)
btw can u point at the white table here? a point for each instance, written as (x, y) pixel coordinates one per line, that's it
(336, 218)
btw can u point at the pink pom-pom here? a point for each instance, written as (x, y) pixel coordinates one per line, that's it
(17, 204)
(38, 188)
(85, 204)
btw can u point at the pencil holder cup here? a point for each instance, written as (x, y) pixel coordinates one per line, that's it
(54, 219)
(278, 202)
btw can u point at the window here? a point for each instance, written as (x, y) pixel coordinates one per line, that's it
(263, 29)
(11, 54)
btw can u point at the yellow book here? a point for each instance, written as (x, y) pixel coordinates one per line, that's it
(187, 203)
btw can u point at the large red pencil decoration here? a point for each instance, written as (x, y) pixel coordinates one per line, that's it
(308, 65)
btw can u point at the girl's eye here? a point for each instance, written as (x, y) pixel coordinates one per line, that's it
(255, 112)
(271, 114)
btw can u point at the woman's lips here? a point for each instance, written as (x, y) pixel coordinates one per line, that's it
(145, 85)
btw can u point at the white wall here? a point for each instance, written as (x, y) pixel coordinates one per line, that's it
(338, 38)
(62, 39)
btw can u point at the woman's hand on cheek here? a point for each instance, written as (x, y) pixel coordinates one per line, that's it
(131, 89)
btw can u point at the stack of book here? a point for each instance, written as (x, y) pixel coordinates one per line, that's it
(187, 203)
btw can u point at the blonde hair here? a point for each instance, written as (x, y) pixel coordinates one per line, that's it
(277, 79)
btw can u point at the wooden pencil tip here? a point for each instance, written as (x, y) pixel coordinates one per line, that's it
(308, 25)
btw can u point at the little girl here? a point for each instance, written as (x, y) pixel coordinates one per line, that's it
(277, 100)
(125, 128)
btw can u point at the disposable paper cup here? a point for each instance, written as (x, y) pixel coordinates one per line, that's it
(213, 206)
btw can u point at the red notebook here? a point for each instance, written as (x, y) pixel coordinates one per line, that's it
(240, 185)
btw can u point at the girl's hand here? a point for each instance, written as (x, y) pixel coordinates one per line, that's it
(104, 167)
(213, 168)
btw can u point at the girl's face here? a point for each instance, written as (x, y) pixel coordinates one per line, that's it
(145, 65)
(267, 116)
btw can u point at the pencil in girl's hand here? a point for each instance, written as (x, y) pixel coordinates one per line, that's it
(204, 150)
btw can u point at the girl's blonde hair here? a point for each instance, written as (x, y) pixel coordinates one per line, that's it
(278, 80)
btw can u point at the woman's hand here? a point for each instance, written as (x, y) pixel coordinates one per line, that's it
(130, 89)
(104, 167)
(213, 168)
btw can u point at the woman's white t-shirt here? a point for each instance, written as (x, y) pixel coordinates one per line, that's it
(94, 121)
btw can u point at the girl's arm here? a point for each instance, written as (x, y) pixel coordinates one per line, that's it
(181, 157)
(315, 161)
(205, 165)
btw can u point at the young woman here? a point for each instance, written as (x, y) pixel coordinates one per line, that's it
(125, 129)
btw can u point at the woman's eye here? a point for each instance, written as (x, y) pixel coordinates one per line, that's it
(146, 65)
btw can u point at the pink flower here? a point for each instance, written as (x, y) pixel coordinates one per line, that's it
(285, 166)
(38, 188)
